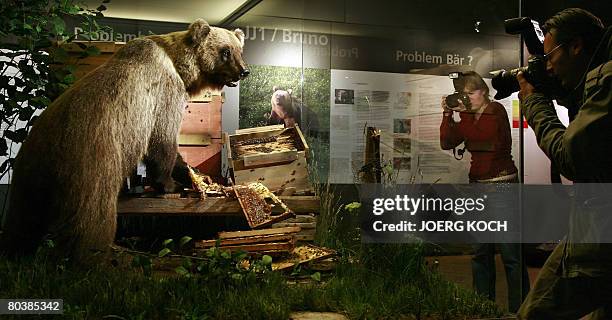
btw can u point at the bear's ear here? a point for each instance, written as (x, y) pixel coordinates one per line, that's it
(240, 36)
(275, 88)
(198, 31)
(289, 91)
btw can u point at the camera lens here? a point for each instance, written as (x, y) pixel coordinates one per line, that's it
(505, 82)
(452, 100)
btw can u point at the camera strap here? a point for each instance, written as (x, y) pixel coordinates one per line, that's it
(458, 153)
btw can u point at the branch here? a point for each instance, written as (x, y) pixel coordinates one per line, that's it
(129, 251)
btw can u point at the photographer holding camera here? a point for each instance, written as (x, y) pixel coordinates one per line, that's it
(485, 130)
(577, 277)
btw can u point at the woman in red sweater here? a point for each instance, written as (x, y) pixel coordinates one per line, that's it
(485, 130)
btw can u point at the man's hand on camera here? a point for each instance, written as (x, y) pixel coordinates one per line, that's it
(526, 88)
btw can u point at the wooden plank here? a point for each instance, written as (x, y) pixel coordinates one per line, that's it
(250, 133)
(302, 218)
(304, 237)
(303, 225)
(207, 159)
(269, 158)
(203, 139)
(299, 133)
(204, 96)
(308, 231)
(208, 95)
(238, 164)
(282, 246)
(275, 127)
(262, 232)
(246, 240)
(202, 118)
(228, 150)
(293, 174)
(221, 206)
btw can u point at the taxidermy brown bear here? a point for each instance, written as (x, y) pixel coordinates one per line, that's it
(70, 169)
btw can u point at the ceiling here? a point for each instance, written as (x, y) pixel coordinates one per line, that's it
(361, 17)
(214, 11)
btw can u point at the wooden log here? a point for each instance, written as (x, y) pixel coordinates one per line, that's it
(220, 206)
(372, 156)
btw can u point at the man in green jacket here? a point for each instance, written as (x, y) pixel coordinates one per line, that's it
(577, 278)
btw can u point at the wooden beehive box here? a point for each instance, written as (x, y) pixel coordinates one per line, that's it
(272, 163)
(200, 137)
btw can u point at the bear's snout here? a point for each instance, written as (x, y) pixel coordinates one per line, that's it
(244, 73)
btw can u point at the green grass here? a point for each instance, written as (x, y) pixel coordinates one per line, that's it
(371, 281)
(359, 291)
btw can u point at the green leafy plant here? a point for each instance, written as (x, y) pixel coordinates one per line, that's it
(35, 68)
(225, 265)
(144, 263)
(214, 263)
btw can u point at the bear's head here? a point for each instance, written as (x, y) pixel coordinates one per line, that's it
(218, 54)
(282, 102)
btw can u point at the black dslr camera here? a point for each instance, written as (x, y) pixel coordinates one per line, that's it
(452, 100)
(535, 72)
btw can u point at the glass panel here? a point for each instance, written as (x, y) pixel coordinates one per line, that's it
(356, 64)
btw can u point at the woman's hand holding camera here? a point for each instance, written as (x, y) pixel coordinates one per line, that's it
(449, 111)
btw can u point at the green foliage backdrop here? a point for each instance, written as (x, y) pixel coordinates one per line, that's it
(35, 69)
(311, 86)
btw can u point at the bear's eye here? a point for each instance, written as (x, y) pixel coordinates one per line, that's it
(226, 54)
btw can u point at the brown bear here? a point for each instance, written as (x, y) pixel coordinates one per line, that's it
(69, 171)
(289, 111)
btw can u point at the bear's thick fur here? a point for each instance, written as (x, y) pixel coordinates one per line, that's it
(70, 169)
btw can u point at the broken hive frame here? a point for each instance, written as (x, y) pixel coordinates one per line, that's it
(303, 254)
(257, 211)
